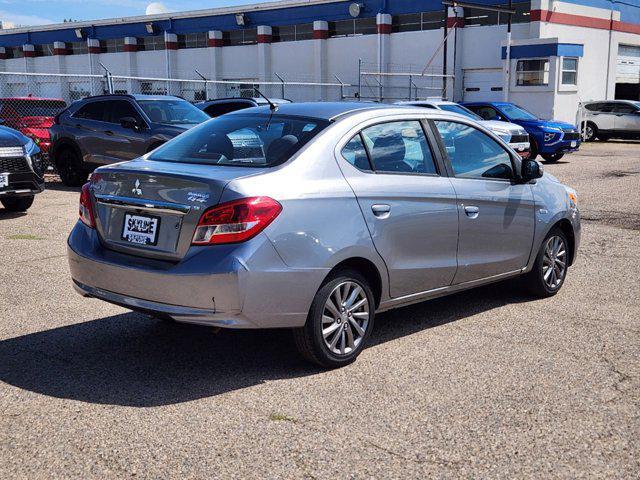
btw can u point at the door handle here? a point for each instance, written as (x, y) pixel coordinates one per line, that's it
(108, 132)
(471, 211)
(381, 210)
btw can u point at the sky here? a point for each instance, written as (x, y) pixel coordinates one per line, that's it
(41, 12)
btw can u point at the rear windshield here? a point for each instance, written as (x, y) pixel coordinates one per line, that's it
(242, 140)
(32, 108)
(172, 112)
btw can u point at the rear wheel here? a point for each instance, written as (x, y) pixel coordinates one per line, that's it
(17, 204)
(552, 157)
(550, 268)
(339, 322)
(590, 132)
(70, 168)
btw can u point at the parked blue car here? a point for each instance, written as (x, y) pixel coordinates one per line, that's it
(549, 138)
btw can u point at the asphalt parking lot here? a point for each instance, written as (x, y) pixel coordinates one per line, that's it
(487, 383)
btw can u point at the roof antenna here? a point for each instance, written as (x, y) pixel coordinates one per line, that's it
(272, 106)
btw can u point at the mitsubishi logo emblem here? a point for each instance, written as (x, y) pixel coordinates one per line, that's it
(136, 188)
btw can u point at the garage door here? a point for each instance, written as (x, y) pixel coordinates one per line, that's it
(628, 64)
(483, 85)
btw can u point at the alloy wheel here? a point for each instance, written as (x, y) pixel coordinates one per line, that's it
(345, 318)
(554, 262)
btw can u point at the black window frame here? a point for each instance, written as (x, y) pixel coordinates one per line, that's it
(112, 105)
(86, 105)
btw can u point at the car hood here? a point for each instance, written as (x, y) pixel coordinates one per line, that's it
(11, 138)
(508, 126)
(546, 123)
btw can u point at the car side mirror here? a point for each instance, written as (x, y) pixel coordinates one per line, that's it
(130, 123)
(530, 170)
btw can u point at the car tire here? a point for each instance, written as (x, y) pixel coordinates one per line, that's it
(539, 280)
(333, 336)
(533, 149)
(590, 132)
(70, 168)
(552, 157)
(17, 204)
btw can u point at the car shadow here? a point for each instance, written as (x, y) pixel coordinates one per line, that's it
(7, 215)
(56, 185)
(132, 360)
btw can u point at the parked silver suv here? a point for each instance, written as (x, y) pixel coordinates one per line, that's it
(345, 209)
(610, 119)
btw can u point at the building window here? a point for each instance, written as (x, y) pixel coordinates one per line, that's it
(112, 45)
(154, 42)
(569, 71)
(291, 33)
(77, 48)
(193, 40)
(532, 72)
(412, 22)
(349, 28)
(476, 17)
(247, 36)
(43, 50)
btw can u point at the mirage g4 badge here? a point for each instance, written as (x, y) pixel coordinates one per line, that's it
(136, 188)
(197, 197)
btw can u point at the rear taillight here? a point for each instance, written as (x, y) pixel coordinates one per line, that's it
(86, 209)
(236, 221)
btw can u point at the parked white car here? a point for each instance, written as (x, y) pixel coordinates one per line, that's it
(516, 136)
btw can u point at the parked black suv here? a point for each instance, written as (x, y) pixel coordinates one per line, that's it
(215, 108)
(112, 128)
(21, 170)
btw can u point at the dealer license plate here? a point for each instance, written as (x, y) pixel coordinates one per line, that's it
(4, 180)
(140, 229)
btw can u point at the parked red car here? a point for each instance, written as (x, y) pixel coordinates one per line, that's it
(32, 116)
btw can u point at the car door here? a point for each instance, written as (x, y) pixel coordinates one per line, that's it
(408, 205)
(604, 117)
(87, 126)
(627, 119)
(123, 143)
(497, 215)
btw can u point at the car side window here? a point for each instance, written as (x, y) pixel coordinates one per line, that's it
(121, 109)
(399, 147)
(220, 109)
(488, 113)
(624, 108)
(593, 107)
(355, 153)
(607, 107)
(472, 153)
(93, 111)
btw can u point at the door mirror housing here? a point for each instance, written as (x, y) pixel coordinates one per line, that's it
(530, 170)
(130, 123)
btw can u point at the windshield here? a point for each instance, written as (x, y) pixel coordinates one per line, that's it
(242, 140)
(461, 110)
(33, 108)
(515, 112)
(172, 112)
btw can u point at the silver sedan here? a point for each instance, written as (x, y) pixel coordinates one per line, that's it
(316, 216)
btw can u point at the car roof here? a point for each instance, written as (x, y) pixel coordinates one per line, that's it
(434, 101)
(32, 98)
(256, 100)
(136, 96)
(321, 110)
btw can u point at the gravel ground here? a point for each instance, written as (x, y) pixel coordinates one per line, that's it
(486, 383)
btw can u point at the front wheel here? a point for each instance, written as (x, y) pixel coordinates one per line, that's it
(17, 204)
(70, 168)
(550, 268)
(339, 322)
(590, 132)
(552, 157)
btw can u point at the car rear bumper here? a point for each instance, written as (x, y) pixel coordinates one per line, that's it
(233, 286)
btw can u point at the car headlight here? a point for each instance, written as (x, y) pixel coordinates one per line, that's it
(549, 136)
(504, 134)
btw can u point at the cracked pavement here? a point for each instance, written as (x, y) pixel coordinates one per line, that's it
(485, 383)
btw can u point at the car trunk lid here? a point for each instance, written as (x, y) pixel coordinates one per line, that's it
(151, 209)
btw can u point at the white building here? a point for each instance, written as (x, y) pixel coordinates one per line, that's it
(562, 52)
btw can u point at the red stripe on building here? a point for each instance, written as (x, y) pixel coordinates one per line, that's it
(59, 51)
(384, 28)
(264, 38)
(171, 45)
(94, 49)
(320, 34)
(626, 27)
(29, 53)
(215, 42)
(128, 47)
(455, 22)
